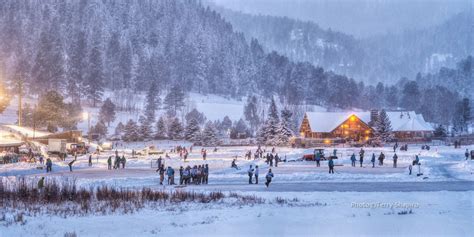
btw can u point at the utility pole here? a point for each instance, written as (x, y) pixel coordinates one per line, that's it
(20, 92)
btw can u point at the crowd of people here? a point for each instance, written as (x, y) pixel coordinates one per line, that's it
(198, 174)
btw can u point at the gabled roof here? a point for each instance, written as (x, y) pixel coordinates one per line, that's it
(328, 121)
(401, 121)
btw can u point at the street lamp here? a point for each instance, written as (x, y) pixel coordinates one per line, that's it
(86, 116)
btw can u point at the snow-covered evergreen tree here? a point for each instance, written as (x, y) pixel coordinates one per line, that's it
(175, 129)
(94, 82)
(174, 100)
(225, 125)
(131, 132)
(100, 129)
(146, 131)
(161, 132)
(284, 130)
(440, 131)
(153, 102)
(195, 114)
(251, 112)
(209, 135)
(119, 129)
(268, 133)
(383, 127)
(107, 112)
(192, 131)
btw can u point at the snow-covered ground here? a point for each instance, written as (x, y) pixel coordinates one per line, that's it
(305, 214)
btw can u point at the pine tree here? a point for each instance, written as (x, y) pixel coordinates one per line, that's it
(251, 112)
(284, 129)
(174, 100)
(77, 66)
(239, 130)
(152, 102)
(161, 129)
(131, 132)
(225, 125)
(209, 135)
(119, 129)
(192, 131)
(268, 133)
(383, 128)
(440, 131)
(94, 83)
(195, 114)
(146, 132)
(175, 130)
(100, 129)
(107, 112)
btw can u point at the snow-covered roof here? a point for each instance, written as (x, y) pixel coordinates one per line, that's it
(408, 121)
(401, 121)
(328, 121)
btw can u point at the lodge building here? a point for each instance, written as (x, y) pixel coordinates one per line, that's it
(358, 126)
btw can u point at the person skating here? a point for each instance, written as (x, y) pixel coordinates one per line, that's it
(331, 166)
(234, 165)
(271, 160)
(206, 174)
(353, 160)
(317, 157)
(381, 158)
(277, 159)
(49, 165)
(269, 177)
(186, 174)
(416, 161)
(467, 154)
(250, 173)
(123, 161)
(71, 163)
(256, 174)
(158, 161)
(181, 178)
(161, 171)
(90, 160)
(109, 163)
(373, 160)
(170, 173)
(361, 156)
(395, 158)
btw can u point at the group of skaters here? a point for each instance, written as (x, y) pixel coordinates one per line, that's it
(118, 161)
(381, 159)
(254, 172)
(198, 174)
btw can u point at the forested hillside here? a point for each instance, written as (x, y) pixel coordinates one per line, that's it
(384, 58)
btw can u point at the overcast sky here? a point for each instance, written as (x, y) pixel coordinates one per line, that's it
(357, 17)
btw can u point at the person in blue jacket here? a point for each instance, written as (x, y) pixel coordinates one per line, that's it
(318, 159)
(353, 160)
(331, 166)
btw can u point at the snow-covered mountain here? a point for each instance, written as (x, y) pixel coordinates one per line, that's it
(384, 58)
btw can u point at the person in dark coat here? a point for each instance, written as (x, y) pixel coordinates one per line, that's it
(70, 165)
(269, 177)
(90, 160)
(395, 158)
(353, 160)
(331, 166)
(271, 160)
(161, 171)
(123, 161)
(250, 173)
(277, 159)
(381, 158)
(49, 165)
(159, 162)
(181, 178)
(41, 184)
(205, 174)
(234, 165)
(109, 163)
(373, 160)
(467, 154)
(256, 174)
